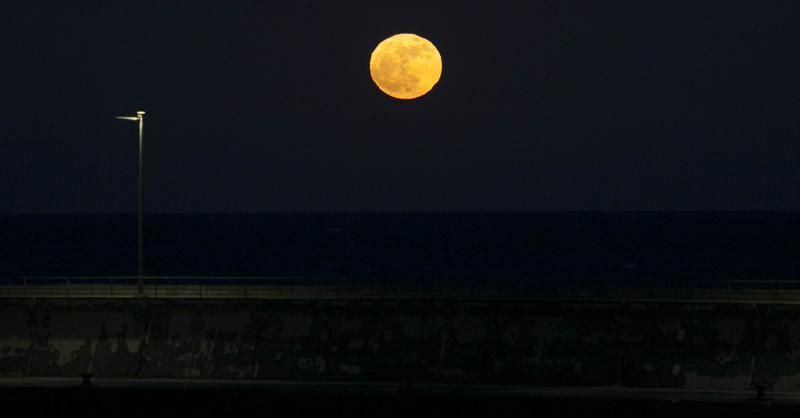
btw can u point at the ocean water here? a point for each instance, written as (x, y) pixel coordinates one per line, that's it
(540, 249)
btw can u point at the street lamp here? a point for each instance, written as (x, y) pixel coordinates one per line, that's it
(140, 269)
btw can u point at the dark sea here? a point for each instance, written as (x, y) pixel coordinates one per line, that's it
(538, 249)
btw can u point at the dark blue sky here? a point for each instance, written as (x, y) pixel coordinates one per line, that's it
(268, 106)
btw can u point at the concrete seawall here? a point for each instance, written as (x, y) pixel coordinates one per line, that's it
(700, 345)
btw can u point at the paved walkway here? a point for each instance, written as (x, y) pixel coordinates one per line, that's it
(604, 392)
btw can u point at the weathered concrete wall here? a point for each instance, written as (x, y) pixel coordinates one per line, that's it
(72, 337)
(692, 345)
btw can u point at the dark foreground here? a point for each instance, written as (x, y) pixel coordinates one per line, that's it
(237, 402)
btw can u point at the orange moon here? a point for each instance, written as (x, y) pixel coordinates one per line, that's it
(405, 66)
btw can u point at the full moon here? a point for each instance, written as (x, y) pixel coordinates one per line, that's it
(405, 66)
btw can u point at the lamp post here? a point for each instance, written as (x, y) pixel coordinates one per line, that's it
(140, 259)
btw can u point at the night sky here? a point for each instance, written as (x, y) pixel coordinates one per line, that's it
(261, 106)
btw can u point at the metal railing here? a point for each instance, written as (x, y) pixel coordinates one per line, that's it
(276, 287)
